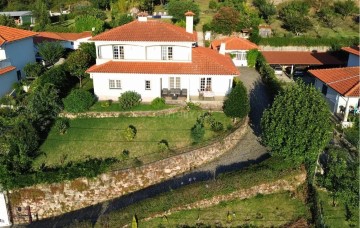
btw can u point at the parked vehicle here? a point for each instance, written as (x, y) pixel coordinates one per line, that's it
(297, 71)
(277, 69)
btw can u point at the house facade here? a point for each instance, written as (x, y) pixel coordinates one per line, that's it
(67, 40)
(341, 88)
(16, 50)
(354, 55)
(238, 47)
(158, 59)
(20, 17)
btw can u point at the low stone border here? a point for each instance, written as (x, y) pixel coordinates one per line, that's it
(48, 200)
(119, 114)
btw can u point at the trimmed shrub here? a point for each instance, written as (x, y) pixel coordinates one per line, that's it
(158, 102)
(192, 106)
(129, 133)
(197, 132)
(62, 124)
(78, 101)
(163, 145)
(125, 154)
(129, 99)
(106, 104)
(217, 126)
(237, 103)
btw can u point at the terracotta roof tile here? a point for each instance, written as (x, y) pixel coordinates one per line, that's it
(189, 13)
(150, 30)
(346, 81)
(59, 36)
(300, 58)
(8, 34)
(352, 50)
(6, 69)
(234, 43)
(204, 61)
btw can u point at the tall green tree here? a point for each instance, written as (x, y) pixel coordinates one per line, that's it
(41, 14)
(90, 49)
(33, 70)
(267, 9)
(237, 105)
(88, 23)
(297, 125)
(7, 21)
(346, 8)
(51, 52)
(178, 8)
(77, 63)
(225, 21)
(328, 17)
(295, 16)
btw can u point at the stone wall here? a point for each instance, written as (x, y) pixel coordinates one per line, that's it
(119, 114)
(48, 200)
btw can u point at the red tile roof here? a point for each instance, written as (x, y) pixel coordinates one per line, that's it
(234, 43)
(150, 30)
(300, 58)
(189, 13)
(8, 34)
(6, 69)
(352, 50)
(205, 61)
(345, 81)
(59, 36)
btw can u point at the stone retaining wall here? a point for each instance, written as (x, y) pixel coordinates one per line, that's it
(119, 114)
(48, 200)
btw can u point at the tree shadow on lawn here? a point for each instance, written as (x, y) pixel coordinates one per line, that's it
(92, 213)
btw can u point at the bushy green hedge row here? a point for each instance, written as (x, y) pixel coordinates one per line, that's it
(309, 41)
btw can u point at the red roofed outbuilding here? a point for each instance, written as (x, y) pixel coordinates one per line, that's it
(354, 55)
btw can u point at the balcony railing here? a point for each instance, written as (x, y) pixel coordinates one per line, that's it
(5, 63)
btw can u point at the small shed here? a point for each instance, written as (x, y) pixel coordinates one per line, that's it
(265, 31)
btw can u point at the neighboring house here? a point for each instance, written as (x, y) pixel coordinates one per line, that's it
(265, 30)
(354, 55)
(16, 50)
(157, 59)
(67, 40)
(20, 17)
(341, 88)
(235, 46)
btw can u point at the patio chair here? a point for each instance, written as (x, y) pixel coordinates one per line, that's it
(178, 92)
(201, 94)
(184, 92)
(165, 92)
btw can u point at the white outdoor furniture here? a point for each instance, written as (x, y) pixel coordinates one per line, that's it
(208, 94)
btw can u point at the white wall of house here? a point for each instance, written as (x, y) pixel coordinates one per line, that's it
(4, 213)
(2, 53)
(143, 51)
(240, 57)
(220, 84)
(20, 53)
(334, 99)
(353, 60)
(6, 82)
(77, 43)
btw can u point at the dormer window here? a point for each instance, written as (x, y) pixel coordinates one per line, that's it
(166, 53)
(118, 52)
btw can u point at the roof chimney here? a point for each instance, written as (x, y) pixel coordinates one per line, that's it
(222, 49)
(189, 21)
(142, 16)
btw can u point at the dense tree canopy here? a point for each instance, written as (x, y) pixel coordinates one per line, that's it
(87, 23)
(267, 9)
(178, 8)
(295, 16)
(297, 125)
(51, 52)
(77, 62)
(237, 103)
(225, 21)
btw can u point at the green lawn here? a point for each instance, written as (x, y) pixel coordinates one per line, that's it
(262, 210)
(335, 216)
(267, 171)
(103, 137)
(115, 107)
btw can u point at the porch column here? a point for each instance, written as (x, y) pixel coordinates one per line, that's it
(188, 91)
(292, 69)
(346, 110)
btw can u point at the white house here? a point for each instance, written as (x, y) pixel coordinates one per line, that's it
(16, 50)
(236, 46)
(157, 59)
(20, 17)
(67, 40)
(341, 87)
(354, 55)
(4, 210)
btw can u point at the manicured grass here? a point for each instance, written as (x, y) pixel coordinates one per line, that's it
(115, 107)
(267, 171)
(262, 210)
(103, 137)
(335, 216)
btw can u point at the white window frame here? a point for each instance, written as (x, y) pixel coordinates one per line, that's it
(241, 56)
(147, 85)
(118, 52)
(205, 84)
(167, 52)
(114, 84)
(174, 82)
